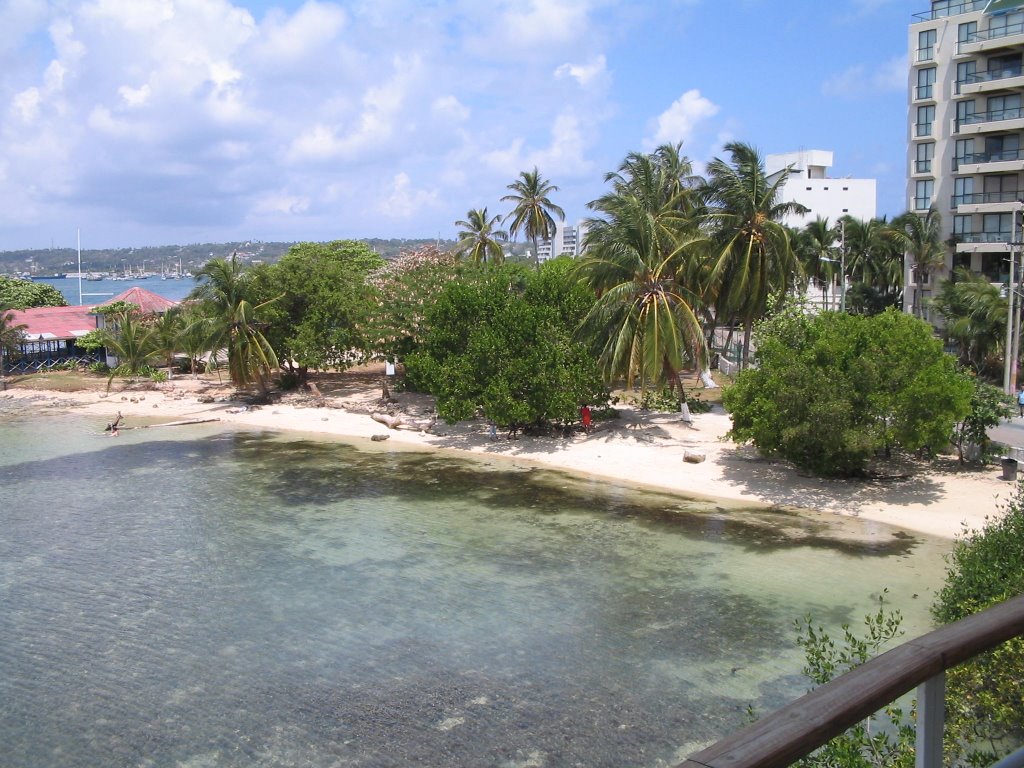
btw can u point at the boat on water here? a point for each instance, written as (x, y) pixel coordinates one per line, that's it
(57, 276)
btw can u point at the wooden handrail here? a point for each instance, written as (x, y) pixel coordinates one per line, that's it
(796, 730)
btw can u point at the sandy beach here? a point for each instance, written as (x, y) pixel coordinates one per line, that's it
(638, 448)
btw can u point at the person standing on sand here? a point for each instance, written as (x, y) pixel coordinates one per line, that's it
(1020, 401)
(585, 417)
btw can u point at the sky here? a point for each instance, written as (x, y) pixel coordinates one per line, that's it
(159, 122)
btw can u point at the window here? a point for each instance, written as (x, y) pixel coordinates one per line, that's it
(1003, 66)
(1004, 107)
(966, 33)
(966, 72)
(965, 112)
(926, 44)
(940, 8)
(923, 194)
(962, 225)
(925, 82)
(997, 227)
(925, 153)
(963, 153)
(925, 118)
(1001, 189)
(963, 191)
(1002, 147)
(1006, 24)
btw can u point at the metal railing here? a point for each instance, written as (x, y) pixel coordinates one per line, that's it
(986, 237)
(992, 116)
(954, 9)
(988, 157)
(798, 729)
(990, 75)
(975, 198)
(994, 33)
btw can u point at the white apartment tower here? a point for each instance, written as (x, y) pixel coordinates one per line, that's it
(966, 118)
(567, 241)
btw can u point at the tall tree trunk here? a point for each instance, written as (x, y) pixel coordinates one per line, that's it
(919, 295)
(536, 255)
(748, 327)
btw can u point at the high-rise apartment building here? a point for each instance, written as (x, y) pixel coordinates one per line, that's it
(964, 135)
(567, 241)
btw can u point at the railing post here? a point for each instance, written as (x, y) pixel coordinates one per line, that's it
(931, 716)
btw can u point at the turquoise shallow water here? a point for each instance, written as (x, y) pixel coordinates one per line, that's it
(221, 598)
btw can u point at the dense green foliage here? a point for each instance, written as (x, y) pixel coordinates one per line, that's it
(974, 312)
(315, 302)
(22, 294)
(989, 407)
(500, 342)
(832, 390)
(985, 697)
(11, 334)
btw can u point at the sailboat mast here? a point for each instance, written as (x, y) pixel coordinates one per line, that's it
(80, 267)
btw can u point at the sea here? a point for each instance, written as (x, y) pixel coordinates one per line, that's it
(210, 596)
(98, 291)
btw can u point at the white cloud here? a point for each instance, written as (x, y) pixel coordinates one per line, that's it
(403, 201)
(858, 81)
(545, 22)
(680, 121)
(450, 108)
(308, 32)
(584, 74)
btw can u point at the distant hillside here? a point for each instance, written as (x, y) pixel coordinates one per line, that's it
(156, 258)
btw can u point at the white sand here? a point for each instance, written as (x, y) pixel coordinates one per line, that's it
(638, 448)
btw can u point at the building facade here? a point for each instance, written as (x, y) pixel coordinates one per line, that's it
(810, 184)
(567, 241)
(966, 119)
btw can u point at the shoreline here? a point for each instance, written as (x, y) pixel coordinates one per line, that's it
(639, 449)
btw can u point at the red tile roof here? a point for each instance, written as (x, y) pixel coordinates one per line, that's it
(146, 301)
(55, 322)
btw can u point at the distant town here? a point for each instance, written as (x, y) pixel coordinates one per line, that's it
(167, 259)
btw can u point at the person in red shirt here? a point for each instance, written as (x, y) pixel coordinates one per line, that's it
(585, 417)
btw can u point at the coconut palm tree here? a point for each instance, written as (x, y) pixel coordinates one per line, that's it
(873, 259)
(130, 339)
(532, 209)
(11, 336)
(167, 329)
(636, 257)
(234, 323)
(920, 237)
(479, 240)
(815, 247)
(753, 257)
(975, 316)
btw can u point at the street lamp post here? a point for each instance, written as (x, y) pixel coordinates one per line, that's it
(1013, 309)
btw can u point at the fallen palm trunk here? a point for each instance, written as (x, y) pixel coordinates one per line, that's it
(402, 422)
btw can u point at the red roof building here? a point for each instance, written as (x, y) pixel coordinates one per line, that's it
(45, 323)
(147, 301)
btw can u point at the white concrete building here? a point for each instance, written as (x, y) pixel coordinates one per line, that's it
(810, 185)
(966, 118)
(567, 241)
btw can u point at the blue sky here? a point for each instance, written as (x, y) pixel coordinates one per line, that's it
(148, 122)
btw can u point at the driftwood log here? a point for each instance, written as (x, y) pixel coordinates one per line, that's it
(402, 422)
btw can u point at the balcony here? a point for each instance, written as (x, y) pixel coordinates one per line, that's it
(1006, 36)
(1011, 119)
(992, 80)
(984, 242)
(987, 202)
(1008, 161)
(954, 9)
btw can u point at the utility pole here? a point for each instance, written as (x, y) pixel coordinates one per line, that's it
(1011, 299)
(842, 265)
(1015, 349)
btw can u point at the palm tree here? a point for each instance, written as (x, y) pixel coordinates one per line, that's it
(479, 240)
(11, 336)
(753, 255)
(532, 211)
(167, 329)
(234, 323)
(815, 246)
(975, 316)
(873, 259)
(636, 259)
(920, 237)
(131, 340)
